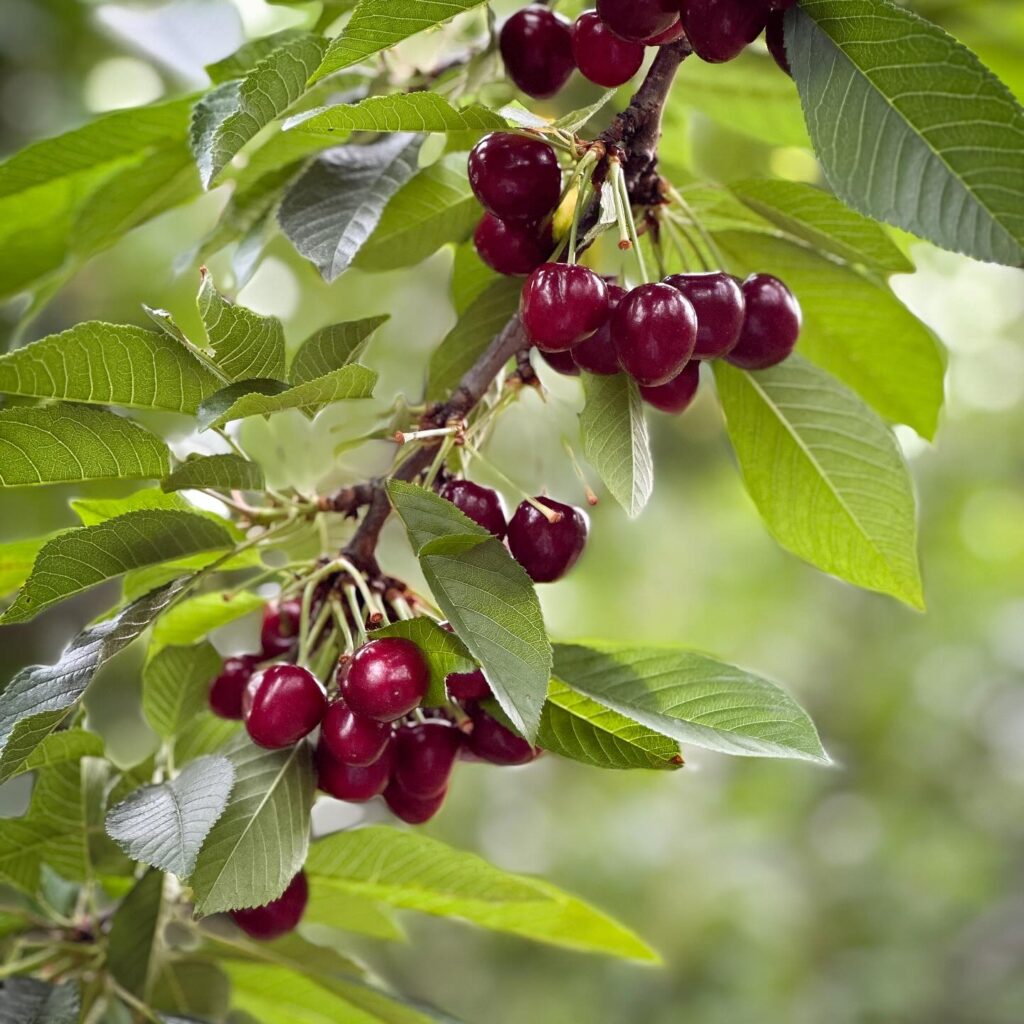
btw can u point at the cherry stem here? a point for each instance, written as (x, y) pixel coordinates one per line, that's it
(357, 612)
(341, 621)
(407, 436)
(582, 182)
(625, 205)
(674, 228)
(549, 514)
(588, 491)
(705, 235)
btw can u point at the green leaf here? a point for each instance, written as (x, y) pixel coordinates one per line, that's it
(40, 697)
(68, 443)
(109, 364)
(189, 986)
(92, 511)
(29, 1001)
(470, 277)
(825, 473)
(175, 685)
(410, 871)
(576, 120)
(16, 560)
(165, 825)
(615, 440)
(429, 517)
(206, 734)
(434, 208)
(134, 934)
(445, 653)
(333, 208)
(399, 112)
(485, 316)
(227, 117)
(194, 618)
(247, 56)
(216, 472)
(79, 559)
(376, 25)
(61, 747)
(260, 841)
(344, 912)
(333, 347)
(910, 127)
(290, 951)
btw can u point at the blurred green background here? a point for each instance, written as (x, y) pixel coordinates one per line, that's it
(889, 888)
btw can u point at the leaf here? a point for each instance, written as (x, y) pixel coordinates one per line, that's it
(348, 913)
(428, 517)
(165, 825)
(29, 1001)
(68, 443)
(578, 119)
(16, 560)
(410, 871)
(176, 684)
(436, 207)
(216, 472)
(826, 475)
(444, 652)
(79, 559)
(290, 951)
(377, 25)
(192, 619)
(206, 734)
(333, 208)
(485, 316)
(92, 511)
(39, 697)
(227, 117)
(333, 347)
(62, 747)
(910, 127)
(134, 934)
(615, 440)
(398, 112)
(239, 63)
(189, 986)
(260, 842)
(109, 364)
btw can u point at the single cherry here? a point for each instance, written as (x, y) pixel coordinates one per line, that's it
(280, 630)
(775, 39)
(601, 55)
(536, 47)
(717, 299)
(637, 20)
(351, 738)
(282, 704)
(678, 393)
(411, 809)
(227, 689)
(655, 330)
(515, 177)
(386, 679)
(771, 326)
(491, 741)
(354, 783)
(718, 30)
(485, 507)
(563, 362)
(468, 686)
(512, 247)
(597, 353)
(425, 753)
(546, 550)
(278, 917)
(562, 304)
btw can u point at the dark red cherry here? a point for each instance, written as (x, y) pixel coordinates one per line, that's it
(547, 551)
(771, 325)
(411, 809)
(351, 738)
(491, 741)
(775, 39)
(425, 753)
(278, 917)
(386, 679)
(515, 177)
(563, 362)
(678, 393)
(354, 783)
(602, 56)
(562, 304)
(717, 299)
(670, 35)
(718, 30)
(280, 630)
(597, 353)
(637, 20)
(282, 704)
(655, 330)
(485, 507)
(512, 247)
(227, 689)
(468, 686)
(536, 47)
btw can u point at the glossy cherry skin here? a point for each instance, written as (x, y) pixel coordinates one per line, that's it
(536, 47)
(775, 39)
(282, 704)
(597, 353)
(353, 783)
(512, 247)
(718, 30)
(678, 393)
(547, 551)
(227, 689)
(771, 326)
(562, 304)
(515, 177)
(602, 56)
(425, 753)
(353, 739)
(563, 362)
(484, 506)
(386, 679)
(278, 917)
(655, 330)
(670, 35)
(718, 301)
(280, 630)
(491, 741)
(637, 20)
(411, 809)
(468, 686)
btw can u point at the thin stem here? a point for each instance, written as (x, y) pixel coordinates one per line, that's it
(705, 235)
(29, 963)
(674, 227)
(619, 182)
(136, 1004)
(357, 612)
(341, 621)
(549, 514)
(578, 470)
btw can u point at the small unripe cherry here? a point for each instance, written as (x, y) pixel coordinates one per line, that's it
(562, 304)
(351, 738)
(386, 679)
(282, 704)
(278, 917)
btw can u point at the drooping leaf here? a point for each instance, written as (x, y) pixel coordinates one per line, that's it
(30, 1001)
(194, 618)
(398, 112)
(134, 934)
(826, 475)
(175, 685)
(444, 652)
(228, 472)
(333, 347)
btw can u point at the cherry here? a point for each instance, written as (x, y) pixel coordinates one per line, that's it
(515, 177)
(718, 302)
(467, 686)
(597, 353)
(775, 39)
(562, 304)
(563, 362)
(386, 679)
(412, 810)
(424, 756)
(718, 30)
(670, 35)
(601, 55)
(354, 783)
(547, 551)
(491, 741)
(277, 917)
(678, 393)
(637, 20)
(655, 330)
(227, 689)
(771, 326)
(351, 738)
(536, 47)
(280, 630)
(484, 506)
(512, 247)
(282, 704)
